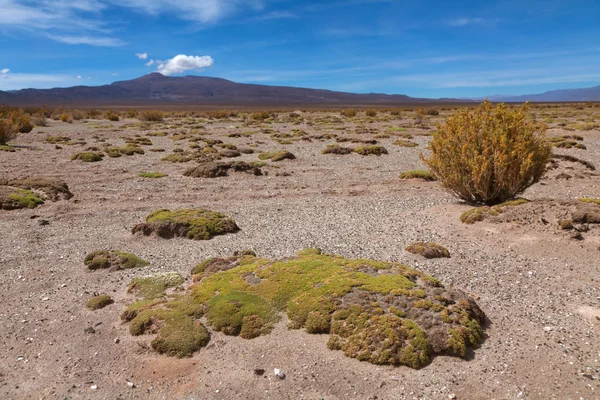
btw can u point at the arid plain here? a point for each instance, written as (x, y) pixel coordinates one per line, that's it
(536, 278)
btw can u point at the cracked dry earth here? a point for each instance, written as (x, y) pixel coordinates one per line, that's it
(539, 288)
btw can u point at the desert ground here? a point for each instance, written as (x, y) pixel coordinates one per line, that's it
(538, 284)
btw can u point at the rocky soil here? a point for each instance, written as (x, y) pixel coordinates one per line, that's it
(539, 287)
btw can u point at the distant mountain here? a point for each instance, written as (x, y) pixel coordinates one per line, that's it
(586, 94)
(157, 88)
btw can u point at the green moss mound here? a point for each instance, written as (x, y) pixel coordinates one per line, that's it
(197, 224)
(87, 156)
(31, 192)
(113, 260)
(428, 250)
(370, 150)
(98, 302)
(380, 312)
(154, 286)
(404, 143)
(276, 156)
(418, 174)
(479, 213)
(590, 200)
(152, 175)
(25, 199)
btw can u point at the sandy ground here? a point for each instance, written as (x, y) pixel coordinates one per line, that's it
(539, 288)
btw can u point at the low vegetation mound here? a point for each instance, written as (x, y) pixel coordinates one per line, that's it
(380, 312)
(113, 260)
(31, 192)
(152, 175)
(567, 142)
(197, 224)
(418, 174)
(276, 156)
(336, 149)
(98, 302)
(480, 213)
(428, 250)
(217, 169)
(489, 154)
(370, 150)
(87, 156)
(404, 143)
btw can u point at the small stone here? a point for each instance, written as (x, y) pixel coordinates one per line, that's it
(130, 384)
(259, 371)
(117, 340)
(279, 373)
(452, 396)
(89, 329)
(547, 329)
(43, 222)
(94, 387)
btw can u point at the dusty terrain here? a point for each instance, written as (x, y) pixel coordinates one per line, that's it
(539, 288)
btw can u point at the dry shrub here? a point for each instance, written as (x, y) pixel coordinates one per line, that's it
(6, 132)
(420, 116)
(111, 115)
(350, 112)
(151, 115)
(131, 113)
(371, 113)
(20, 122)
(261, 115)
(489, 154)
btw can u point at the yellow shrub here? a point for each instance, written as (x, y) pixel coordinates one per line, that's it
(6, 132)
(151, 115)
(489, 154)
(350, 112)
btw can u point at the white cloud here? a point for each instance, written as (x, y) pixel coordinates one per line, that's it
(142, 56)
(149, 63)
(4, 71)
(467, 21)
(182, 63)
(78, 77)
(205, 11)
(89, 40)
(115, 74)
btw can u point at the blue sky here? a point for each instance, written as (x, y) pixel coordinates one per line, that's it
(421, 48)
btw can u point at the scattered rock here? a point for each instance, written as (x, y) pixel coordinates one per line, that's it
(89, 329)
(279, 373)
(259, 371)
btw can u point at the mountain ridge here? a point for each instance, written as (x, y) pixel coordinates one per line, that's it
(192, 89)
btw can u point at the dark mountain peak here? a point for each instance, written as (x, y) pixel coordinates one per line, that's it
(156, 87)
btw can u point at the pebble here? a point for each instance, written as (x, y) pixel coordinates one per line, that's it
(279, 373)
(94, 387)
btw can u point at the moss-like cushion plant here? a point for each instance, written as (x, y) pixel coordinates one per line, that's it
(380, 312)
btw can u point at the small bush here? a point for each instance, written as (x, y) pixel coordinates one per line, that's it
(371, 113)
(151, 116)
(420, 116)
(111, 115)
(6, 132)
(131, 113)
(349, 113)
(260, 115)
(489, 154)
